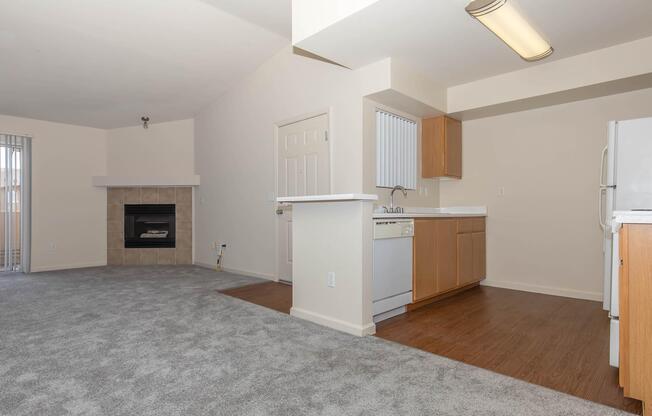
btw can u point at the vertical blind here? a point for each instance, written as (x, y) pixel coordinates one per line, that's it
(396, 151)
(15, 202)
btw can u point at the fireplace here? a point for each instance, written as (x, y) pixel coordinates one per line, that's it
(149, 225)
(124, 245)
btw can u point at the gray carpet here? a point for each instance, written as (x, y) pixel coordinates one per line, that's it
(161, 341)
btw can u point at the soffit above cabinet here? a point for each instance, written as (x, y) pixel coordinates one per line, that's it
(440, 38)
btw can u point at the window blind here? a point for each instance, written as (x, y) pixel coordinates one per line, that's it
(15, 202)
(396, 151)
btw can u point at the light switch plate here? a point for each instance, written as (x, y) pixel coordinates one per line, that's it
(331, 279)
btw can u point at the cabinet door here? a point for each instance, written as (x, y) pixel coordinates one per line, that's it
(465, 259)
(637, 297)
(430, 131)
(453, 151)
(424, 283)
(479, 256)
(441, 147)
(446, 258)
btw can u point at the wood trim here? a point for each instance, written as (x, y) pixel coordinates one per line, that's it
(440, 296)
(623, 289)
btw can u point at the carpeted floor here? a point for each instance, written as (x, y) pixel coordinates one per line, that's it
(161, 341)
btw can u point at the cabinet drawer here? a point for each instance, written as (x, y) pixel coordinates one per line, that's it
(465, 225)
(470, 225)
(478, 225)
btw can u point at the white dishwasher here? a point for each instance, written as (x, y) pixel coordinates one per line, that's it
(392, 274)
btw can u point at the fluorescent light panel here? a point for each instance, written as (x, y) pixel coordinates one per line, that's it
(502, 18)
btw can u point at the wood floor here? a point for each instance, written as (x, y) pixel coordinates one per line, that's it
(277, 296)
(559, 343)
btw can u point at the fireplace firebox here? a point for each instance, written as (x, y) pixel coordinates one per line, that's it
(149, 225)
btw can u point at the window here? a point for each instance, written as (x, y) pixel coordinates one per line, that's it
(396, 151)
(14, 198)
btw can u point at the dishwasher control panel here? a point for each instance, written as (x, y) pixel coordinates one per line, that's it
(393, 228)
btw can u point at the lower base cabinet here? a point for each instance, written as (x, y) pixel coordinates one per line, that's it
(635, 305)
(448, 254)
(465, 258)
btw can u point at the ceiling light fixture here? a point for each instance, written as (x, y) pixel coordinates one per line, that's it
(502, 18)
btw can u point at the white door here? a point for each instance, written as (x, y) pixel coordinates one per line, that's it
(303, 168)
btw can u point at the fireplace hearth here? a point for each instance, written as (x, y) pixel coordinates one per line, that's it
(149, 225)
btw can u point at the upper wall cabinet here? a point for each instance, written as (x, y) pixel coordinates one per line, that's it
(441, 147)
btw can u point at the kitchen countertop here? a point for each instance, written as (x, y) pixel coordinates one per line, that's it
(328, 198)
(632, 217)
(450, 212)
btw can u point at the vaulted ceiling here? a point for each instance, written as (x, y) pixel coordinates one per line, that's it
(105, 63)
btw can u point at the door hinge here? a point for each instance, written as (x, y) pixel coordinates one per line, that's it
(326, 135)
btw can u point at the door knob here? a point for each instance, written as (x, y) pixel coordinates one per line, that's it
(279, 211)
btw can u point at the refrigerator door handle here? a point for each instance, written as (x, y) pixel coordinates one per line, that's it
(602, 164)
(603, 224)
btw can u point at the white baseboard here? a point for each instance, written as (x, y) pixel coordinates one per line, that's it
(66, 266)
(238, 271)
(546, 290)
(337, 324)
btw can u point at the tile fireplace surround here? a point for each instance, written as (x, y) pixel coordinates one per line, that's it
(117, 254)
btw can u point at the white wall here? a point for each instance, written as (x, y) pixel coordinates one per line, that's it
(312, 16)
(234, 153)
(334, 237)
(68, 214)
(164, 149)
(564, 77)
(543, 234)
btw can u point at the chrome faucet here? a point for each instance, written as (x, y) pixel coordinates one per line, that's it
(392, 209)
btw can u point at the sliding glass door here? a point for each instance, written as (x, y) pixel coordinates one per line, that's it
(14, 202)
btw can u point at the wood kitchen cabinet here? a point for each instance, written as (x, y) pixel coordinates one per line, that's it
(471, 250)
(441, 147)
(465, 258)
(635, 300)
(424, 284)
(448, 254)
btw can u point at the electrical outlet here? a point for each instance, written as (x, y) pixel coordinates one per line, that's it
(331, 279)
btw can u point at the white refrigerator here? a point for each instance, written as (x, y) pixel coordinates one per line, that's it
(625, 185)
